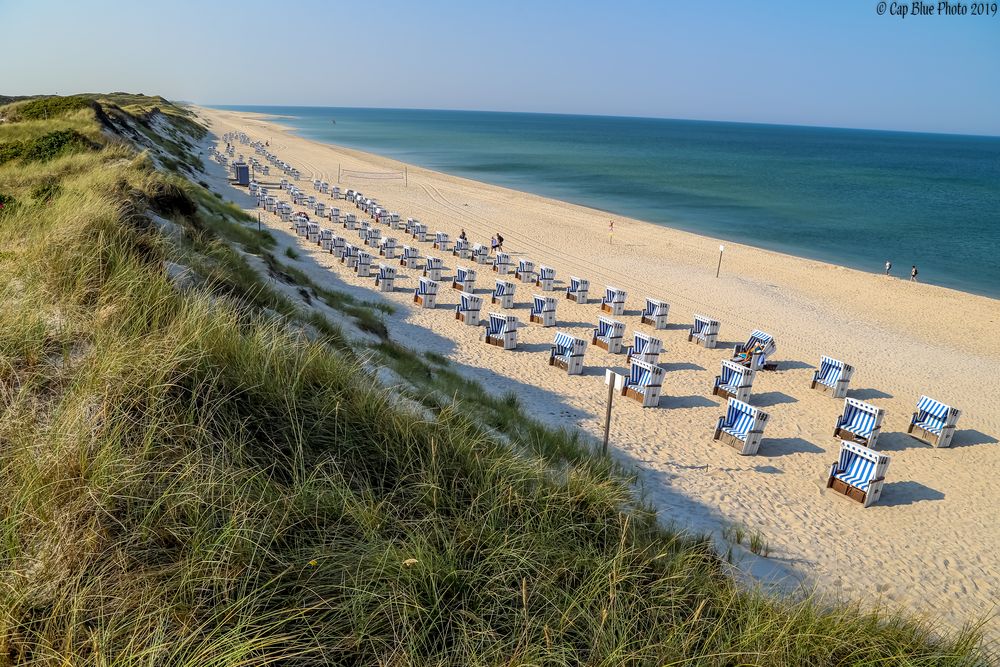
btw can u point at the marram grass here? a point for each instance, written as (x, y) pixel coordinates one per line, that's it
(188, 480)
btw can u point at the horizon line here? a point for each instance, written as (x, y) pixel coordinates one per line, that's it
(621, 116)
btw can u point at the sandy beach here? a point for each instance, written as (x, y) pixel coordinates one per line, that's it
(930, 545)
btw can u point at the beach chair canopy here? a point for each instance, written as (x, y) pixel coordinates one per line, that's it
(578, 284)
(434, 263)
(739, 420)
(470, 302)
(546, 273)
(541, 304)
(427, 287)
(932, 415)
(654, 308)
(500, 324)
(503, 288)
(614, 295)
(859, 417)
(703, 324)
(565, 344)
(525, 265)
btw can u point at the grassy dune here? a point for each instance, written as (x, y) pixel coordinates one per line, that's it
(199, 470)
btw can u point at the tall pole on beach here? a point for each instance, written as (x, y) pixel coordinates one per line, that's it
(607, 418)
(719, 267)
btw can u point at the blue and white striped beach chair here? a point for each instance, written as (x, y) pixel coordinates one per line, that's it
(609, 334)
(614, 300)
(567, 353)
(410, 258)
(468, 309)
(363, 267)
(385, 279)
(442, 242)
(525, 271)
(409, 225)
(388, 248)
(394, 220)
(545, 277)
(734, 381)
(655, 313)
(578, 290)
(861, 422)
(501, 330)
(339, 246)
(313, 232)
(326, 240)
(425, 294)
(419, 232)
(465, 280)
(704, 332)
(755, 352)
(350, 257)
(859, 473)
(934, 422)
(433, 267)
(644, 348)
(742, 427)
(334, 215)
(643, 383)
(503, 294)
(372, 237)
(833, 377)
(461, 249)
(543, 310)
(502, 264)
(480, 254)
(351, 221)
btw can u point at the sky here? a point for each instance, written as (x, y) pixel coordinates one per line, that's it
(837, 64)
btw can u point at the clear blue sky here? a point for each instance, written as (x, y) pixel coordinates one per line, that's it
(799, 62)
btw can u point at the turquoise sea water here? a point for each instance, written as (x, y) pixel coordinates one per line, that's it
(850, 197)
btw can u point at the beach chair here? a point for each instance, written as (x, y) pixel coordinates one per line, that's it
(350, 221)
(859, 473)
(545, 277)
(832, 377)
(324, 187)
(326, 240)
(543, 310)
(734, 381)
(316, 183)
(387, 247)
(364, 265)
(501, 330)
(643, 383)
(502, 264)
(861, 422)
(433, 267)
(614, 301)
(480, 254)
(525, 271)
(503, 294)
(411, 224)
(755, 352)
(339, 246)
(425, 294)
(350, 257)
(468, 309)
(301, 226)
(655, 313)
(644, 348)
(393, 220)
(441, 242)
(465, 280)
(608, 334)
(578, 289)
(312, 232)
(373, 236)
(567, 352)
(742, 427)
(705, 331)
(335, 192)
(410, 258)
(319, 208)
(933, 422)
(334, 215)
(461, 249)
(385, 279)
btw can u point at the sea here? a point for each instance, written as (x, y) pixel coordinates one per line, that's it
(850, 197)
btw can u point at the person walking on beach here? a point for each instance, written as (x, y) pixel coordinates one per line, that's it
(493, 244)
(888, 267)
(611, 231)
(499, 242)
(913, 273)
(462, 235)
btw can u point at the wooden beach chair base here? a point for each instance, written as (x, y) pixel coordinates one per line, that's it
(844, 434)
(579, 298)
(558, 363)
(605, 345)
(842, 487)
(927, 437)
(707, 342)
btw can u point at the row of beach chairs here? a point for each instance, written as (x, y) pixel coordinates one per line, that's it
(859, 472)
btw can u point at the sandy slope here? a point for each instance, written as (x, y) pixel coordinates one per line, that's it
(932, 544)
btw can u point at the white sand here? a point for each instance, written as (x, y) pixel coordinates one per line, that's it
(931, 545)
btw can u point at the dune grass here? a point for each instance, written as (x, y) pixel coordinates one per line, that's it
(189, 479)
